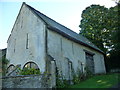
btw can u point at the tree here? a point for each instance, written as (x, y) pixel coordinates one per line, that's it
(4, 62)
(102, 27)
(93, 25)
(114, 13)
(115, 26)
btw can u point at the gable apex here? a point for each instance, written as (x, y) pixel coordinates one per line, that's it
(61, 29)
(24, 3)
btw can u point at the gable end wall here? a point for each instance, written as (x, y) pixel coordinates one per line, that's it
(28, 29)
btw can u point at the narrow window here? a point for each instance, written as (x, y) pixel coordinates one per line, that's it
(27, 42)
(14, 45)
(72, 48)
(61, 44)
(22, 23)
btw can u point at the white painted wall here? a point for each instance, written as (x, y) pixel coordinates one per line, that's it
(60, 47)
(27, 23)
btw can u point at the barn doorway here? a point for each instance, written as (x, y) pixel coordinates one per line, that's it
(68, 69)
(90, 62)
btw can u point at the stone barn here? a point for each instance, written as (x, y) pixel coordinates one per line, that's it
(40, 42)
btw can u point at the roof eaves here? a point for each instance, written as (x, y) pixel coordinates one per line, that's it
(71, 38)
(59, 31)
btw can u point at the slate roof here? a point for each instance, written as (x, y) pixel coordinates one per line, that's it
(55, 26)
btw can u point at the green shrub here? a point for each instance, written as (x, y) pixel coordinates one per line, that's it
(88, 73)
(29, 71)
(76, 79)
(80, 76)
(60, 82)
(4, 62)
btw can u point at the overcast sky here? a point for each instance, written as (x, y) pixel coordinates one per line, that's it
(66, 12)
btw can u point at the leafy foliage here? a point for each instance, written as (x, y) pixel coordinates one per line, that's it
(93, 25)
(80, 76)
(102, 27)
(88, 72)
(113, 60)
(29, 71)
(4, 63)
(60, 82)
(76, 79)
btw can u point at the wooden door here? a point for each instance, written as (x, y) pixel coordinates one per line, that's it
(90, 62)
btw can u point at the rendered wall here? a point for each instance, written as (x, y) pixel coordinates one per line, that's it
(27, 40)
(61, 48)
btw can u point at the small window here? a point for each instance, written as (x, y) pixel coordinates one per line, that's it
(27, 41)
(14, 45)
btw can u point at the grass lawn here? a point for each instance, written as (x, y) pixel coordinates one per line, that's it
(99, 81)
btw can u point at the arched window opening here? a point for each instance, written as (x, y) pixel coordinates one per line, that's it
(30, 68)
(31, 65)
(10, 68)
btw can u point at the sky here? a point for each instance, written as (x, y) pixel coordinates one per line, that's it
(65, 12)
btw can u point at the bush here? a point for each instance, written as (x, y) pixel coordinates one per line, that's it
(29, 71)
(88, 73)
(76, 79)
(80, 76)
(4, 62)
(60, 82)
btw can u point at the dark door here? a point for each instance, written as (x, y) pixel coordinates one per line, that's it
(90, 62)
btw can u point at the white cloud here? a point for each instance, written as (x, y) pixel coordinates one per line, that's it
(106, 3)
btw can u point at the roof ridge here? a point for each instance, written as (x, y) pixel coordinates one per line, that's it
(51, 19)
(61, 28)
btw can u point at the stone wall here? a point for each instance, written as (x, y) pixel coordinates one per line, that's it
(27, 81)
(2, 52)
